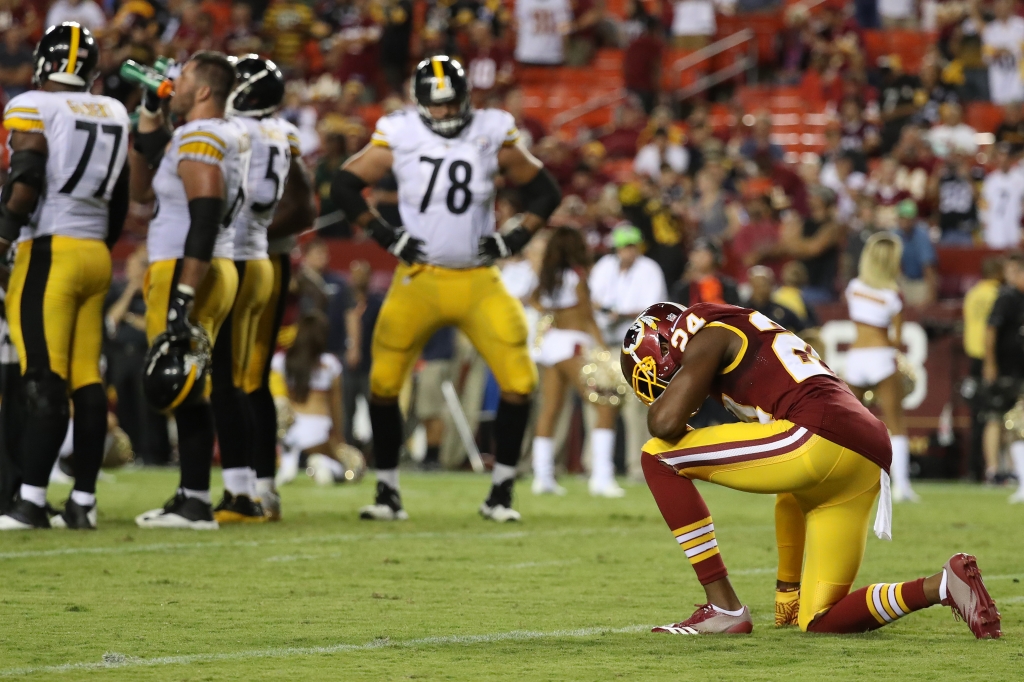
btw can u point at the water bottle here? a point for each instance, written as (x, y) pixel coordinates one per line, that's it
(147, 76)
(162, 64)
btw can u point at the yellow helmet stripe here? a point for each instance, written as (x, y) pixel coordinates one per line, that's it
(185, 391)
(438, 69)
(73, 49)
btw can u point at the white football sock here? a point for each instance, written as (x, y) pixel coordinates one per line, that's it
(502, 473)
(602, 451)
(236, 480)
(83, 498)
(201, 495)
(900, 468)
(544, 459)
(263, 486)
(337, 470)
(942, 587)
(33, 494)
(1017, 455)
(389, 476)
(719, 609)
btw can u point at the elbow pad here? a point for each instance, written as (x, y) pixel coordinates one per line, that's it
(152, 145)
(28, 166)
(205, 214)
(541, 195)
(347, 194)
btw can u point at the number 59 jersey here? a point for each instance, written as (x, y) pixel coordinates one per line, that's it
(87, 146)
(275, 142)
(777, 375)
(446, 186)
(215, 141)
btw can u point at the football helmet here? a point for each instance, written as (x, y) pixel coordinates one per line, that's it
(67, 53)
(259, 87)
(648, 359)
(442, 80)
(175, 369)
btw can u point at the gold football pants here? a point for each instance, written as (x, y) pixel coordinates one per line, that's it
(214, 297)
(55, 306)
(424, 298)
(826, 493)
(255, 285)
(267, 324)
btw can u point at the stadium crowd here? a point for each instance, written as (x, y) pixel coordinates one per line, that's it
(713, 202)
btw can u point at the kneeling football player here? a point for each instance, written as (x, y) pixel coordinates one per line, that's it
(806, 439)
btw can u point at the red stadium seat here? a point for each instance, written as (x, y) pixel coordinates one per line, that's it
(984, 117)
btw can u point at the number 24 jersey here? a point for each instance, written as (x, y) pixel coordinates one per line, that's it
(87, 146)
(446, 186)
(777, 375)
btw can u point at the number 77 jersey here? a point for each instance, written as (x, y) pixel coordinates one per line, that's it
(87, 146)
(446, 185)
(777, 375)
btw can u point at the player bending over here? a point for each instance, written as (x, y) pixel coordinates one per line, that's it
(445, 156)
(806, 438)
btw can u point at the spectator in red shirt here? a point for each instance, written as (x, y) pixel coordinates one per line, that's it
(490, 67)
(758, 236)
(620, 138)
(641, 65)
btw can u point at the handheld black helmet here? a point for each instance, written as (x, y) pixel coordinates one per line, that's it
(442, 80)
(175, 369)
(67, 53)
(259, 87)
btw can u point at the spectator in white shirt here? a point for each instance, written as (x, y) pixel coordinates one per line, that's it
(1002, 201)
(622, 284)
(952, 134)
(1001, 41)
(85, 12)
(898, 13)
(660, 152)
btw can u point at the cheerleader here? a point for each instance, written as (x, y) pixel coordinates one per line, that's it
(562, 293)
(876, 307)
(313, 380)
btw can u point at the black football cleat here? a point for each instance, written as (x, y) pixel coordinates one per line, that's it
(386, 507)
(75, 517)
(498, 505)
(239, 509)
(180, 511)
(25, 516)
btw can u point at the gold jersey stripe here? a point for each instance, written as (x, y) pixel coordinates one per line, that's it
(201, 149)
(379, 143)
(76, 34)
(203, 133)
(23, 110)
(23, 124)
(743, 345)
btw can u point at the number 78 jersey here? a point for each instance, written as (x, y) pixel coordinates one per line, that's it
(87, 146)
(777, 375)
(446, 186)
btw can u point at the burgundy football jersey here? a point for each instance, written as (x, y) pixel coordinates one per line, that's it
(777, 375)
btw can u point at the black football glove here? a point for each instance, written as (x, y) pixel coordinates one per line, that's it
(497, 246)
(397, 241)
(178, 311)
(151, 101)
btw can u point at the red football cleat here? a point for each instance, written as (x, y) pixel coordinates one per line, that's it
(706, 621)
(967, 597)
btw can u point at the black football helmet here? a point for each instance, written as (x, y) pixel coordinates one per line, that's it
(175, 369)
(442, 80)
(67, 53)
(259, 87)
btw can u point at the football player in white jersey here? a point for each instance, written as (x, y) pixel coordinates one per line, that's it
(197, 175)
(445, 156)
(64, 201)
(279, 192)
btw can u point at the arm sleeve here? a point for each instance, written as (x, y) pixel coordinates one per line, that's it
(117, 210)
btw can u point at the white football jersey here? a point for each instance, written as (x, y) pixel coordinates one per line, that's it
(446, 186)
(871, 306)
(1002, 207)
(541, 27)
(1004, 71)
(216, 141)
(275, 142)
(87, 141)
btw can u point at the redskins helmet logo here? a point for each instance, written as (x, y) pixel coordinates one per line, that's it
(635, 334)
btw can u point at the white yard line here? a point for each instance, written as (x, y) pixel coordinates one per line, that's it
(144, 548)
(113, 660)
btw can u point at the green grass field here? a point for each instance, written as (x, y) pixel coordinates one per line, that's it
(566, 595)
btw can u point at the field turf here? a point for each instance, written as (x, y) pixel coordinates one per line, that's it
(568, 594)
